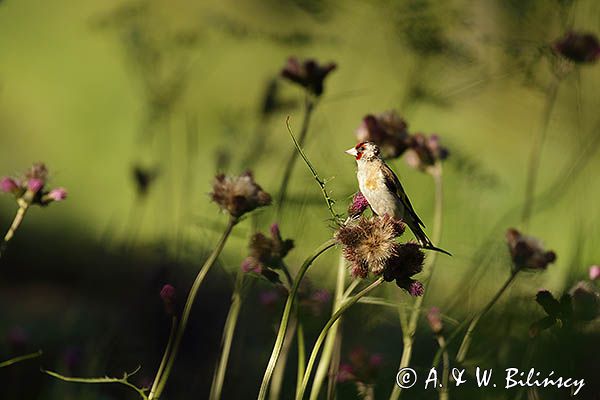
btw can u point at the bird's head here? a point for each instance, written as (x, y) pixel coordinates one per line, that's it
(365, 151)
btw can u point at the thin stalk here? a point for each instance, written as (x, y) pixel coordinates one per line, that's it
(301, 356)
(326, 357)
(21, 211)
(444, 390)
(536, 152)
(464, 346)
(410, 323)
(315, 351)
(309, 106)
(162, 380)
(264, 387)
(163, 361)
(279, 372)
(227, 339)
(18, 359)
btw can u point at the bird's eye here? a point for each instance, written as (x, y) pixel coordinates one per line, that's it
(361, 148)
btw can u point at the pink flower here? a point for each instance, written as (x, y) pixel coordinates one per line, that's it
(58, 194)
(8, 185)
(594, 272)
(35, 184)
(358, 206)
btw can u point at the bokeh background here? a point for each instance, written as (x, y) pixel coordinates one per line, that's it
(96, 88)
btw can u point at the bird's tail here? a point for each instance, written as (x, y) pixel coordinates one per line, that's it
(424, 241)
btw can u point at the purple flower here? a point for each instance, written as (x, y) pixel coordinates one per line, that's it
(387, 130)
(594, 272)
(425, 151)
(250, 264)
(58, 194)
(35, 185)
(9, 185)
(578, 47)
(435, 320)
(308, 74)
(267, 254)
(358, 206)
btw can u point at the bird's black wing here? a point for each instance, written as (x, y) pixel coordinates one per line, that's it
(393, 184)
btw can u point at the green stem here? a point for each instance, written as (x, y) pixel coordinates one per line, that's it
(301, 357)
(162, 380)
(21, 211)
(279, 372)
(20, 358)
(464, 346)
(325, 360)
(309, 106)
(315, 351)
(286, 316)
(227, 339)
(165, 356)
(444, 390)
(410, 324)
(536, 152)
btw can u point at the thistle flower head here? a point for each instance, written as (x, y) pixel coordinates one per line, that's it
(557, 311)
(358, 206)
(594, 272)
(424, 151)
(238, 195)
(387, 130)
(31, 187)
(527, 252)
(266, 254)
(168, 295)
(578, 47)
(435, 320)
(308, 74)
(370, 245)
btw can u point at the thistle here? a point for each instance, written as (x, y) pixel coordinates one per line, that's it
(578, 47)
(388, 131)
(308, 73)
(425, 151)
(238, 195)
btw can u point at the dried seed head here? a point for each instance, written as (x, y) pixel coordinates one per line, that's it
(238, 195)
(425, 151)
(387, 130)
(308, 74)
(407, 262)
(358, 206)
(435, 320)
(527, 252)
(267, 254)
(578, 47)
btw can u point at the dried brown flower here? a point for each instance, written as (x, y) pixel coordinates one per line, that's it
(527, 252)
(387, 130)
(267, 254)
(425, 151)
(578, 47)
(308, 73)
(239, 194)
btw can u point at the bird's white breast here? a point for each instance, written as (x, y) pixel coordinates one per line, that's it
(372, 185)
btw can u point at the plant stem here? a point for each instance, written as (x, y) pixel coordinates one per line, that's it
(309, 105)
(301, 356)
(326, 357)
(315, 351)
(286, 316)
(410, 324)
(162, 380)
(227, 339)
(20, 358)
(464, 346)
(444, 390)
(279, 372)
(21, 211)
(165, 356)
(536, 152)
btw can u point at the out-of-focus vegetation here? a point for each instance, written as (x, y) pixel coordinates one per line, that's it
(176, 89)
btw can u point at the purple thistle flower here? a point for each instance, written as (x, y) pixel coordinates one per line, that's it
(527, 252)
(308, 74)
(35, 185)
(578, 47)
(358, 206)
(415, 288)
(250, 264)
(9, 185)
(387, 130)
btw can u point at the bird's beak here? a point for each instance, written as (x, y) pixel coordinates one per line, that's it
(352, 152)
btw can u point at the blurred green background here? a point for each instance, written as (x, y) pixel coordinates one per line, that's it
(94, 88)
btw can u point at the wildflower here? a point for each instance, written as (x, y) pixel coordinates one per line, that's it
(387, 130)
(594, 272)
(586, 301)
(424, 152)
(168, 295)
(370, 245)
(267, 254)
(238, 195)
(556, 311)
(435, 320)
(57, 194)
(308, 74)
(9, 185)
(358, 206)
(578, 47)
(527, 252)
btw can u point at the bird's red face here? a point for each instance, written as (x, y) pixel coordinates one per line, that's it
(362, 149)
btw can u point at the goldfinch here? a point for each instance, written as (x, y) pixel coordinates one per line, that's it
(383, 191)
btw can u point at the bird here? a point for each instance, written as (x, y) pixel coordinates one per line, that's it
(384, 193)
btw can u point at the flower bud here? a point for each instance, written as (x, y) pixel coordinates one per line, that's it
(594, 272)
(58, 194)
(167, 294)
(35, 185)
(9, 185)
(435, 320)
